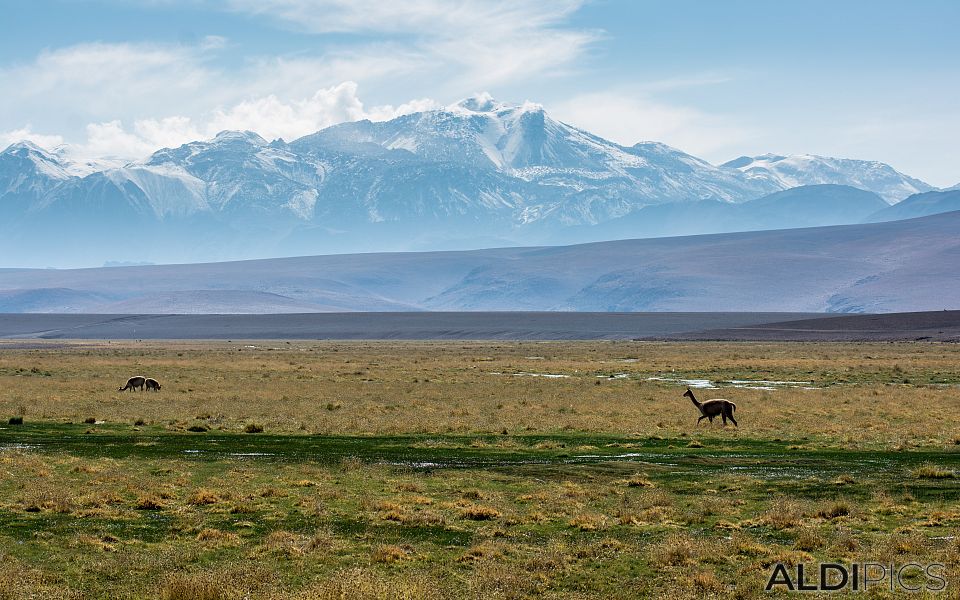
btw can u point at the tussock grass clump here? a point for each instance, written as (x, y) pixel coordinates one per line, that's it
(15, 421)
(148, 502)
(745, 545)
(371, 583)
(286, 543)
(676, 550)
(198, 586)
(929, 471)
(389, 553)
(706, 583)
(199, 428)
(808, 539)
(484, 550)
(253, 428)
(478, 512)
(217, 537)
(49, 500)
(90, 420)
(271, 492)
(588, 522)
(789, 558)
(907, 543)
(783, 514)
(203, 497)
(639, 480)
(840, 508)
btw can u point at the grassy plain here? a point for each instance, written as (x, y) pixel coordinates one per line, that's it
(468, 469)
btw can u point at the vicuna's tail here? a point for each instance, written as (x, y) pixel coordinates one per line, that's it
(734, 407)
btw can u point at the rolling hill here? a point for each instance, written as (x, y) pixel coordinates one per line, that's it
(884, 267)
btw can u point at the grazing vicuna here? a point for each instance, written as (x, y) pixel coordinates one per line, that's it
(137, 381)
(152, 384)
(713, 408)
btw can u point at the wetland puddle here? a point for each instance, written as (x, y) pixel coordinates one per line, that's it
(526, 374)
(749, 384)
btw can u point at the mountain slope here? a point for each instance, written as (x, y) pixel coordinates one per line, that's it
(784, 172)
(919, 205)
(804, 206)
(812, 206)
(882, 267)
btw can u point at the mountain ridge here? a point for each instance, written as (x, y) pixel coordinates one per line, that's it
(465, 176)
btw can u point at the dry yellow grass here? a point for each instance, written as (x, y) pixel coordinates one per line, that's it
(374, 387)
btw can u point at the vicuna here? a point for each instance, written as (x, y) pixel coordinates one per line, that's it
(133, 383)
(152, 384)
(713, 408)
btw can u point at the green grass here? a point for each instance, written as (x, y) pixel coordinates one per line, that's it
(569, 492)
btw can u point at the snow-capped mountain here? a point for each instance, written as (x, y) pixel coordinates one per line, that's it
(478, 173)
(26, 170)
(775, 172)
(576, 177)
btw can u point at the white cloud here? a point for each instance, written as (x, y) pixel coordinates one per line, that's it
(27, 134)
(483, 42)
(272, 118)
(148, 135)
(435, 17)
(97, 76)
(128, 100)
(268, 116)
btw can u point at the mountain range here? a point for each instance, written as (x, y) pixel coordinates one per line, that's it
(880, 267)
(476, 174)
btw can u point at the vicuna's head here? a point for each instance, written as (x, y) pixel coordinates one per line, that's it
(158, 386)
(688, 393)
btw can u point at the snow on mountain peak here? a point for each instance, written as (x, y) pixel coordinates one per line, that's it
(249, 137)
(24, 146)
(480, 102)
(484, 103)
(44, 162)
(775, 170)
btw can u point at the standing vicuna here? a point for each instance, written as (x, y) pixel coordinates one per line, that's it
(152, 384)
(133, 383)
(713, 408)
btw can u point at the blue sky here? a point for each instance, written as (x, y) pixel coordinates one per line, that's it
(872, 80)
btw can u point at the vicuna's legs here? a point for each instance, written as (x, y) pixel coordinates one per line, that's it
(730, 415)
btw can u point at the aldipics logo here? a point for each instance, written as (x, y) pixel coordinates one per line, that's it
(858, 577)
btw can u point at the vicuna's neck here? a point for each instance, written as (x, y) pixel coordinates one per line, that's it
(694, 400)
